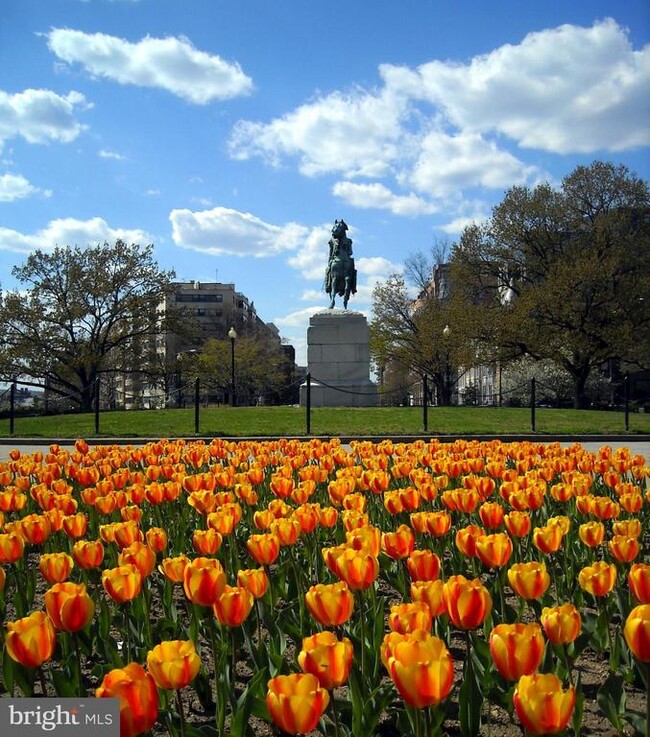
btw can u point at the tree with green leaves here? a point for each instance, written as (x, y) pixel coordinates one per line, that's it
(81, 313)
(564, 273)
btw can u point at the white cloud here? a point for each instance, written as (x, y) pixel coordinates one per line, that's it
(104, 154)
(16, 187)
(225, 231)
(40, 116)
(378, 196)
(69, 232)
(172, 64)
(567, 90)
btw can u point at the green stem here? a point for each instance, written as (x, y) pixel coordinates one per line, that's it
(220, 711)
(362, 616)
(77, 654)
(337, 729)
(181, 713)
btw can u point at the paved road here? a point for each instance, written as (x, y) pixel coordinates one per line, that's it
(636, 446)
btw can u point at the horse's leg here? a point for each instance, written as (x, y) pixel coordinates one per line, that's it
(346, 295)
(332, 301)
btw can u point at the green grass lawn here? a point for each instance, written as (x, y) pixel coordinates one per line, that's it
(330, 421)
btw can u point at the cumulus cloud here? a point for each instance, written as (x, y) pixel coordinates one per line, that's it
(443, 127)
(16, 187)
(69, 232)
(40, 116)
(105, 154)
(225, 231)
(378, 196)
(171, 63)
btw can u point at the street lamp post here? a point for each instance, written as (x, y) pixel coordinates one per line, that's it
(232, 334)
(446, 379)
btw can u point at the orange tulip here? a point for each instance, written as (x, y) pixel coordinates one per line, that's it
(174, 568)
(69, 606)
(330, 604)
(409, 616)
(286, 529)
(11, 547)
(264, 548)
(542, 706)
(357, 568)
(139, 555)
(55, 567)
(562, 624)
(366, 538)
(233, 605)
(173, 664)
(88, 554)
(491, 514)
(495, 550)
(328, 658)
(123, 583)
(592, 533)
(468, 603)
(637, 632)
(516, 649)
(438, 523)
(255, 580)
(517, 523)
(296, 702)
(203, 581)
(423, 565)
(628, 527)
(75, 525)
(3, 579)
(529, 580)
(398, 544)
(30, 641)
(548, 539)
(206, 542)
(420, 666)
(466, 538)
(430, 592)
(156, 539)
(624, 549)
(126, 533)
(639, 581)
(598, 579)
(138, 697)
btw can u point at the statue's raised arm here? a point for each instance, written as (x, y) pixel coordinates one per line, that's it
(340, 275)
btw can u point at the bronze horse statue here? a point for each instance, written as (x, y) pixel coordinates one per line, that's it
(341, 275)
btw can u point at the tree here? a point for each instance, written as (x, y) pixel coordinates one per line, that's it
(563, 272)
(82, 312)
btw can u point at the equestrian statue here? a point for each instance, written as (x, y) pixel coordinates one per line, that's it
(340, 275)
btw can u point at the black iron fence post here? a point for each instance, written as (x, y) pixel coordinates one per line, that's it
(12, 407)
(308, 403)
(532, 404)
(197, 388)
(97, 406)
(626, 396)
(425, 404)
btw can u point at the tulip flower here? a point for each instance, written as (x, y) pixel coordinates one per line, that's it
(203, 581)
(35, 528)
(233, 605)
(430, 592)
(529, 580)
(423, 565)
(264, 548)
(598, 579)
(206, 542)
(548, 539)
(69, 606)
(328, 658)
(126, 533)
(421, 668)
(357, 568)
(140, 555)
(637, 632)
(173, 664)
(55, 567)
(76, 525)
(366, 538)
(330, 604)
(592, 533)
(138, 697)
(174, 568)
(468, 603)
(3, 579)
(495, 550)
(562, 624)
(628, 527)
(31, 640)
(410, 616)
(542, 706)
(516, 649)
(491, 514)
(296, 702)
(639, 582)
(88, 554)
(11, 547)
(286, 529)
(466, 539)
(156, 539)
(123, 583)
(517, 523)
(624, 549)
(255, 580)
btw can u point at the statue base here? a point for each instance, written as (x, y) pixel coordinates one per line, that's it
(338, 361)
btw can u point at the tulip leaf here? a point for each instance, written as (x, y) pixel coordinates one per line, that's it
(470, 702)
(254, 692)
(7, 672)
(63, 684)
(579, 708)
(611, 699)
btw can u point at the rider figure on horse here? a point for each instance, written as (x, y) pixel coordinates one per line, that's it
(340, 275)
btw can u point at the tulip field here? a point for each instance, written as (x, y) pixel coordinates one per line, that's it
(309, 587)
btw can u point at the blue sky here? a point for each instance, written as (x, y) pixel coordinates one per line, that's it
(232, 133)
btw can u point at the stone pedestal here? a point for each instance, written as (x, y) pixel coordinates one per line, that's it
(338, 360)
